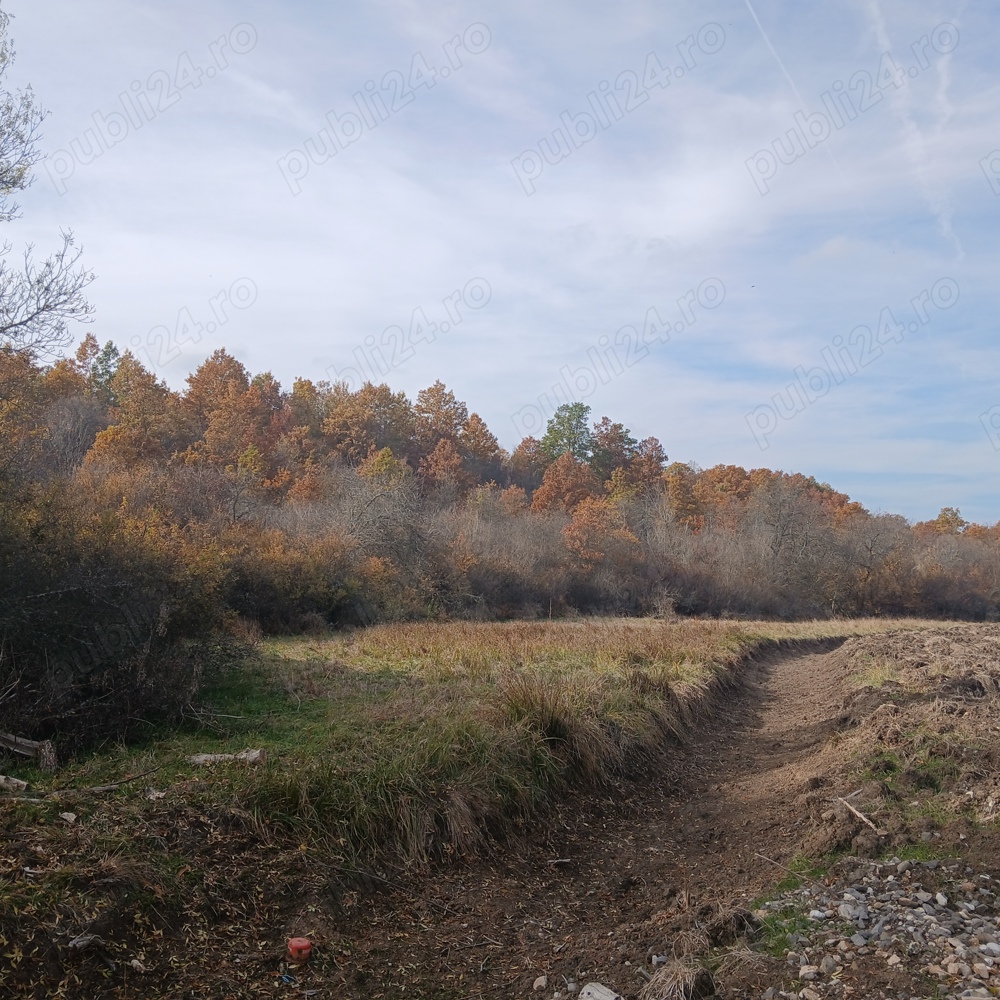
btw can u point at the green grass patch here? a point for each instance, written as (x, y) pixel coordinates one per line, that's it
(779, 926)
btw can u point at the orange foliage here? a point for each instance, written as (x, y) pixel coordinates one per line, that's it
(597, 525)
(565, 484)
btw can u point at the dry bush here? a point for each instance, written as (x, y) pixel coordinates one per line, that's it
(679, 980)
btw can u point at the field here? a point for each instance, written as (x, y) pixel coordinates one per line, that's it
(389, 752)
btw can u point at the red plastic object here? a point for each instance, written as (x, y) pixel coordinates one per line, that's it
(299, 949)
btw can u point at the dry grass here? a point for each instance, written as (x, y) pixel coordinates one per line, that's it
(876, 673)
(450, 730)
(677, 980)
(424, 740)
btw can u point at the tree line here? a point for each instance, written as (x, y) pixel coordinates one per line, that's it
(141, 524)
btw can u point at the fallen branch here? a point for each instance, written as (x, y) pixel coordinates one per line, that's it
(124, 781)
(777, 864)
(861, 816)
(244, 757)
(478, 944)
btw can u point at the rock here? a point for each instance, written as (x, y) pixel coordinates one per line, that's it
(903, 866)
(540, 983)
(595, 991)
(951, 932)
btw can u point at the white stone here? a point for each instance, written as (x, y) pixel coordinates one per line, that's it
(595, 991)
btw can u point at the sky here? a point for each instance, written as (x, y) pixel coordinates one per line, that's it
(759, 230)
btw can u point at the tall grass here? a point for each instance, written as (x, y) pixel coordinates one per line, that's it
(461, 733)
(411, 742)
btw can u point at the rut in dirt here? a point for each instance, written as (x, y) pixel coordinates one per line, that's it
(614, 867)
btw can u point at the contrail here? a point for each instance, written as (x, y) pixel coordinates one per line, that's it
(777, 58)
(798, 96)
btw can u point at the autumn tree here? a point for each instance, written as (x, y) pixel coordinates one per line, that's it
(948, 522)
(528, 463)
(374, 417)
(217, 379)
(481, 451)
(232, 427)
(299, 440)
(142, 428)
(72, 415)
(383, 468)
(636, 467)
(96, 366)
(438, 415)
(567, 481)
(444, 469)
(612, 447)
(596, 529)
(684, 506)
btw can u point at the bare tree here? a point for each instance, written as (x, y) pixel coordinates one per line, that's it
(38, 300)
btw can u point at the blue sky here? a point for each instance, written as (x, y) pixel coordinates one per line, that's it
(763, 233)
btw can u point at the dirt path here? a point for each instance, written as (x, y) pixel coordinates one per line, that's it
(620, 876)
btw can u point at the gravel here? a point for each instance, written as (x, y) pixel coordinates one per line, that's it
(946, 931)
